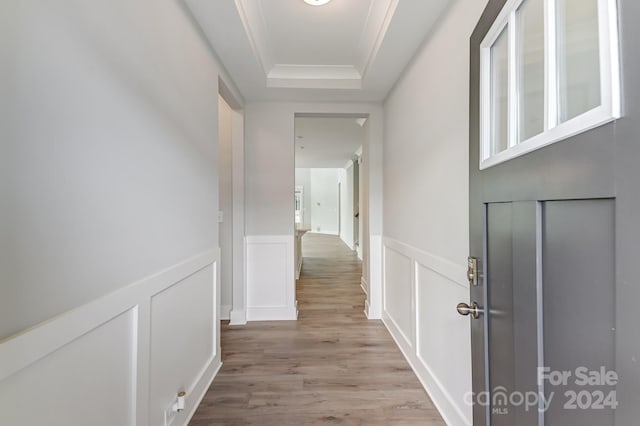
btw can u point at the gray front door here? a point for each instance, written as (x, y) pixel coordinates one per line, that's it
(557, 236)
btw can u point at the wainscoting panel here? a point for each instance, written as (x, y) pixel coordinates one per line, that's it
(443, 336)
(398, 302)
(270, 278)
(121, 359)
(374, 286)
(438, 346)
(88, 381)
(183, 337)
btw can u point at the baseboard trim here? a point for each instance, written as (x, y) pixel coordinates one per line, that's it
(399, 336)
(237, 317)
(202, 393)
(350, 245)
(225, 312)
(363, 286)
(299, 268)
(277, 313)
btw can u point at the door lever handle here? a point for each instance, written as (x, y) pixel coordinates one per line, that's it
(474, 310)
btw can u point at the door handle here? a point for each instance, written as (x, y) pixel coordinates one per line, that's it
(474, 310)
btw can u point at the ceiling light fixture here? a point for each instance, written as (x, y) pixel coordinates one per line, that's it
(316, 2)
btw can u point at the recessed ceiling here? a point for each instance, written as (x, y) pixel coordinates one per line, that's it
(345, 50)
(327, 142)
(317, 2)
(309, 47)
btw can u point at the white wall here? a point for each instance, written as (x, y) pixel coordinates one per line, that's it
(225, 197)
(303, 178)
(324, 201)
(320, 198)
(321, 186)
(107, 158)
(270, 181)
(426, 210)
(345, 177)
(109, 127)
(269, 166)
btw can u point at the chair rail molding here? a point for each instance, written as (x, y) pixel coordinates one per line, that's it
(111, 361)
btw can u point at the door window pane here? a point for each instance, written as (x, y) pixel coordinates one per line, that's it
(578, 57)
(530, 69)
(549, 70)
(499, 93)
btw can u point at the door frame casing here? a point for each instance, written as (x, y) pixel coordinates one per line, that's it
(238, 313)
(371, 193)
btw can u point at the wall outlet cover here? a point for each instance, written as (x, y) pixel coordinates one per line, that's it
(169, 415)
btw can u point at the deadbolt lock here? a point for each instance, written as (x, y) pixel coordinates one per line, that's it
(472, 270)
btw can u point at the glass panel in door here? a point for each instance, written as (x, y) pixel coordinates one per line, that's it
(500, 93)
(578, 57)
(530, 63)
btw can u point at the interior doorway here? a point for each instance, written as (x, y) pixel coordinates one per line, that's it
(225, 206)
(327, 194)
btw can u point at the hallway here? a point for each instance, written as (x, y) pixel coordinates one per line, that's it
(332, 366)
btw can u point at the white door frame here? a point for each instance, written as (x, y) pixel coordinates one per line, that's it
(238, 314)
(371, 172)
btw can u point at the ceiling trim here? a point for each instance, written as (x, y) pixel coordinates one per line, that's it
(330, 115)
(314, 76)
(257, 40)
(309, 76)
(379, 36)
(270, 55)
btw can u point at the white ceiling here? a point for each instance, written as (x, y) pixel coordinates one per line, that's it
(346, 50)
(329, 142)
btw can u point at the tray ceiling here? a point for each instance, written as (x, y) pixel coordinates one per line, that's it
(346, 50)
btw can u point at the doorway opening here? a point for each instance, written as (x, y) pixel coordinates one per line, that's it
(327, 198)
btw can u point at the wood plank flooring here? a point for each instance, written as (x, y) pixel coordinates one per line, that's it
(332, 366)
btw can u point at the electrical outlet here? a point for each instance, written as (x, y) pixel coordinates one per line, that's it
(220, 216)
(174, 408)
(169, 415)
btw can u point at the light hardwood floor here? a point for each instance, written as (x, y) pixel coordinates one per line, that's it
(332, 366)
